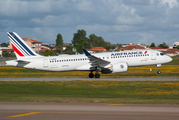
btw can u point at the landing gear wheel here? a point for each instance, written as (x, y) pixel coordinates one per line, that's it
(97, 75)
(91, 75)
(158, 72)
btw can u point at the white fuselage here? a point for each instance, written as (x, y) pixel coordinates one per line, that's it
(81, 62)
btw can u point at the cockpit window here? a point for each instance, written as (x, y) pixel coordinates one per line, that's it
(162, 54)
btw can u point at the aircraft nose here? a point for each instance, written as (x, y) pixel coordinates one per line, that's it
(169, 59)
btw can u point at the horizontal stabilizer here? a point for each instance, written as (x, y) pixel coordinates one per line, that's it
(23, 61)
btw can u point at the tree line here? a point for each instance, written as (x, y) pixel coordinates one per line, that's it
(164, 45)
(80, 41)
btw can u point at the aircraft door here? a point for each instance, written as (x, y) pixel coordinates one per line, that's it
(153, 56)
(45, 63)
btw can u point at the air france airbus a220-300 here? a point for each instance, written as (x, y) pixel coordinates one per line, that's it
(108, 62)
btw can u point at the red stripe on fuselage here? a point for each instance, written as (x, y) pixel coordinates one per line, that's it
(17, 51)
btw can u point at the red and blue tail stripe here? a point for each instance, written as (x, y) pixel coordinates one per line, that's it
(19, 46)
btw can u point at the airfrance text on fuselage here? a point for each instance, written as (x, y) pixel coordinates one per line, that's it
(128, 53)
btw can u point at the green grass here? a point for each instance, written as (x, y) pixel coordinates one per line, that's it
(148, 92)
(133, 72)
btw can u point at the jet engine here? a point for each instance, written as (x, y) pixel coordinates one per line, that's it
(115, 68)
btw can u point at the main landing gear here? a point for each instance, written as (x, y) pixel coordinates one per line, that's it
(158, 71)
(91, 75)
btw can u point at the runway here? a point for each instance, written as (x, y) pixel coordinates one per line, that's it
(86, 111)
(70, 79)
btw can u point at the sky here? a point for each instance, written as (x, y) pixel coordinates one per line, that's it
(116, 21)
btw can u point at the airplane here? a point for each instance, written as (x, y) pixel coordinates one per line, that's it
(106, 62)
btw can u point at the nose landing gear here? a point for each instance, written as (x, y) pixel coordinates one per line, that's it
(158, 71)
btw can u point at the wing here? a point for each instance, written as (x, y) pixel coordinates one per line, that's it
(95, 61)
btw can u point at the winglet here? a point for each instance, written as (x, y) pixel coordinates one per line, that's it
(86, 52)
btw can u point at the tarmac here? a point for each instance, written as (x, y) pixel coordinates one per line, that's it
(86, 111)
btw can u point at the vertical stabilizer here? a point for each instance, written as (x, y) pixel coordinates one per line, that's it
(21, 49)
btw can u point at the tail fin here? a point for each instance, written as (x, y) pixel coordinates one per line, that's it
(21, 49)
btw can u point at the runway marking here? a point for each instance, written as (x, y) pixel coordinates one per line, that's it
(19, 115)
(97, 113)
(114, 104)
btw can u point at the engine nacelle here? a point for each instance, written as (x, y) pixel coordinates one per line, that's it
(115, 68)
